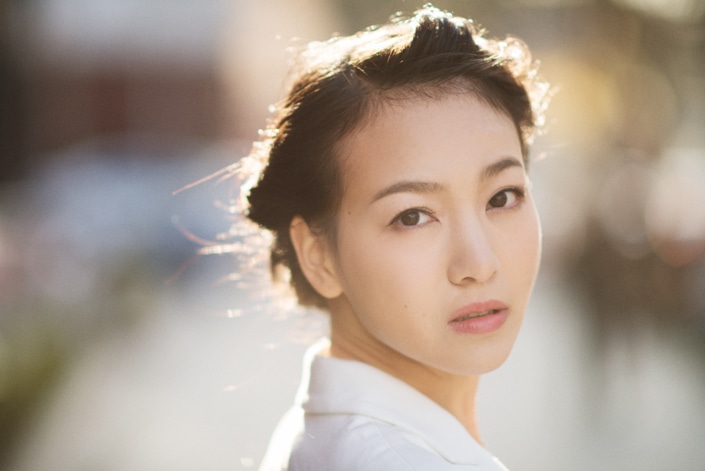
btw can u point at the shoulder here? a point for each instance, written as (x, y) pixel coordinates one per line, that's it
(356, 443)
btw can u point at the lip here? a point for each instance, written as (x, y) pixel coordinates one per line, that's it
(480, 317)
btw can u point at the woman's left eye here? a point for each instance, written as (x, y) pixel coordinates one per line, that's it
(507, 198)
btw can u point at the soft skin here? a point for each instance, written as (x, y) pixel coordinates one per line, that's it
(436, 215)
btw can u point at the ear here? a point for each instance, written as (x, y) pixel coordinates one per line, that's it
(315, 258)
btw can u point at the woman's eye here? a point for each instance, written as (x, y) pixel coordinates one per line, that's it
(412, 217)
(506, 198)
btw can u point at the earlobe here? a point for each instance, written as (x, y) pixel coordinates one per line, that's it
(315, 258)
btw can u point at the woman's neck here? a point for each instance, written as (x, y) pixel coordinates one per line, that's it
(454, 393)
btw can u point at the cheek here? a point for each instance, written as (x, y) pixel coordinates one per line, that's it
(526, 248)
(355, 258)
(535, 237)
(369, 265)
(378, 271)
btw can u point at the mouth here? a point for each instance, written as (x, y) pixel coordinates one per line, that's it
(480, 317)
(477, 315)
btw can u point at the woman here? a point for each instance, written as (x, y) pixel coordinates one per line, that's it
(393, 179)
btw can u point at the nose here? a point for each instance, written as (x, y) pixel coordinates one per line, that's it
(473, 257)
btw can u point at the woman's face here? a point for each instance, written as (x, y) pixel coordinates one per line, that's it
(438, 240)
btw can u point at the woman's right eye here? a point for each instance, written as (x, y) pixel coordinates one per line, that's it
(411, 217)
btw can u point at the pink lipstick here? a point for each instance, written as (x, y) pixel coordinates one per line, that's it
(479, 318)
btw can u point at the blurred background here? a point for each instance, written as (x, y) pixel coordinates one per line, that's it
(122, 348)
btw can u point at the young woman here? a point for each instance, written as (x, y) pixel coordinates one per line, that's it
(393, 179)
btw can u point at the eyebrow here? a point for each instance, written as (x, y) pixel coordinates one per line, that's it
(419, 186)
(499, 166)
(409, 186)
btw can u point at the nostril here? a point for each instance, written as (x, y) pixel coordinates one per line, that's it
(473, 261)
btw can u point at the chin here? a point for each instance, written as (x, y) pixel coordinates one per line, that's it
(486, 364)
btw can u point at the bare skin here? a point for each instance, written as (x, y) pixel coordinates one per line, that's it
(437, 247)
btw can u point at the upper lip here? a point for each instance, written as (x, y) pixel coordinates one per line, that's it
(477, 309)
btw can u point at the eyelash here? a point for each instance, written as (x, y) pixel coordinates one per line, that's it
(519, 194)
(423, 211)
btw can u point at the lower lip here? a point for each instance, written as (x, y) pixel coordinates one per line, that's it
(481, 325)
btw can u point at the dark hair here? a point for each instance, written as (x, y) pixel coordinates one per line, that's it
(338, 83)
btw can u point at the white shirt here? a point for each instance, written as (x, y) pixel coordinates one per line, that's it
(350, 416)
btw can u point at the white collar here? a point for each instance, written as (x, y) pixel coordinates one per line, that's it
(340, 386)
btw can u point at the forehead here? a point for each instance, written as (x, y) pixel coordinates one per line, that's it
(421, 136)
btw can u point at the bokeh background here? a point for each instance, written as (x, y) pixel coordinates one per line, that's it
(122, 347)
